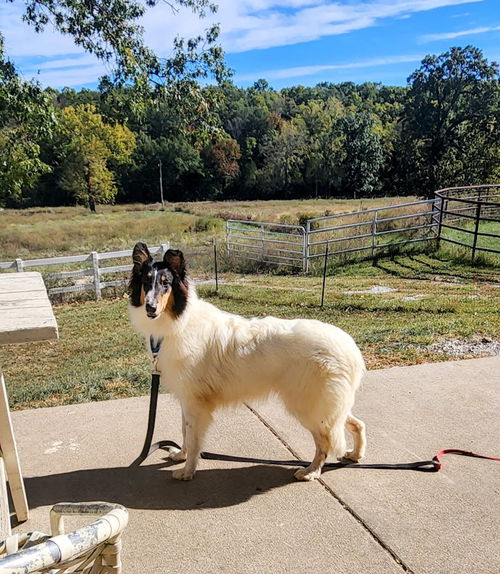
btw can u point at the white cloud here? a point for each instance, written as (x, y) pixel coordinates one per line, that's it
(259, 24)
(451, 35)
(77, 70)
(22, 40)
(245, 25)
(301, 71)
(70, 77)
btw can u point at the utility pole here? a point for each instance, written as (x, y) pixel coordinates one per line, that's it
(161, 184)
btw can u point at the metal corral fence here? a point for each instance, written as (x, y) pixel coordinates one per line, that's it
(470, 217)
(92, 277)
(273, 243)
(371, 231)
(366, 232)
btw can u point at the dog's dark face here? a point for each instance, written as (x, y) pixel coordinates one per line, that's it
(160, 286)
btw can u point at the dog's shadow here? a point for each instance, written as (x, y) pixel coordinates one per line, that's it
(151, 487)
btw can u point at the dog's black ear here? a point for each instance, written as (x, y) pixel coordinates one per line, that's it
(140, 255)
(175, 260)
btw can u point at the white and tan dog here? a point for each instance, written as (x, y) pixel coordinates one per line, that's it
(210, 358)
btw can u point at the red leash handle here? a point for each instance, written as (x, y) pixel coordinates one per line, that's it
(438, 464)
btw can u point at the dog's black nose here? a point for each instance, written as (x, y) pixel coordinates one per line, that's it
(150, 310)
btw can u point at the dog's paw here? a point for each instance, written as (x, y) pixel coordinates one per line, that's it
(351, 456)
(182, 474)
(176, 454)
(307, 474)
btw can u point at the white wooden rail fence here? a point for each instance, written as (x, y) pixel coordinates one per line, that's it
(87, 279)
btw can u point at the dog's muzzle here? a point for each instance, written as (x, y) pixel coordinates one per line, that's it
(151, 311)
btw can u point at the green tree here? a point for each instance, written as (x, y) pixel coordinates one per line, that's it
(88, 150)
(182, 170)
(221, 159)
(453, 104)
(363, 154)
(319, 120)
(26, 117)
(111, 30)
(284, 154)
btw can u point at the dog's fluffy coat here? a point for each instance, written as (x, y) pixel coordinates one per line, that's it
(210, 358)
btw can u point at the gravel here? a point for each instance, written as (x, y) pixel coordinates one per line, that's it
(456, 348)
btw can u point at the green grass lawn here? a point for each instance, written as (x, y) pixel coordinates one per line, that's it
(483, 241)
(98, 356)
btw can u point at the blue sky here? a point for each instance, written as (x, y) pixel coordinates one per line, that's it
(287, 42)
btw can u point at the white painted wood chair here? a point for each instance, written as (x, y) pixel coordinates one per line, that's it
(93, 549)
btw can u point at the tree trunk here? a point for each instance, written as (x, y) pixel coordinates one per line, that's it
(91, 200)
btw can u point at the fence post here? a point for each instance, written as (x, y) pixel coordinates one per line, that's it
(262, 244)
(97, 280)
(440, 220)
(476, 229)
(164, 247)
(324, 275)
(374, 232)
(305, 264)
(434, 224)
(216, 270)
(19, 265)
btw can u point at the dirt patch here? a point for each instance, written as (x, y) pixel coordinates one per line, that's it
(478, 347)
(375, 290)
(414, 297)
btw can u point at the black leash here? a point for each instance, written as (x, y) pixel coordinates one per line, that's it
(149, 448)
(422, 466)
(433, 465)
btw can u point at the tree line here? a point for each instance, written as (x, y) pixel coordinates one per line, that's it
(218, 142)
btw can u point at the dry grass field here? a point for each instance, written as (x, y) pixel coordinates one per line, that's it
(48, 232)
(287, 211)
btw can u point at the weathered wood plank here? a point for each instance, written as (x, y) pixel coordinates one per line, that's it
(10, 456)
(5, 529)
(26, 312)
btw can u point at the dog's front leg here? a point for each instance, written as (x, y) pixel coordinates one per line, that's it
(174, 453)
(196, 422)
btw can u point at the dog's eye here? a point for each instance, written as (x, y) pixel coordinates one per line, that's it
(150, 274)
(164, 279)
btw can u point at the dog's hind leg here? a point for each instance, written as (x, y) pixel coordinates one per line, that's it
(196, 421)
(324, 418)
(356, 428)
(322, 440)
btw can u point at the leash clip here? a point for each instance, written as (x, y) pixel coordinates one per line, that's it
(437, 463)
(155, 345)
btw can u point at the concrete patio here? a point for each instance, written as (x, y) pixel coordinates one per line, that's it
(254, 518)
